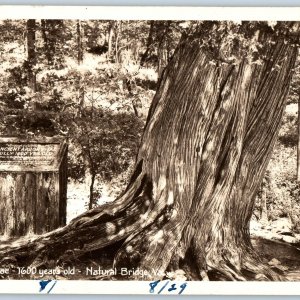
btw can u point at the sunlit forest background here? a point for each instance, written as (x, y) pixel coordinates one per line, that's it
(92, 82)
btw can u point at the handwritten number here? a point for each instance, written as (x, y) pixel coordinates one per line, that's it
(153, 285)
(52, 287)
(43, 284)
(183, 286)
(163, 287)
(172, 288)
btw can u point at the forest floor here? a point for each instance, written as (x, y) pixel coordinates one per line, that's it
(275, 240)
(278, 245)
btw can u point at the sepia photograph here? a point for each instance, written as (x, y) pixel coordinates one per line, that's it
(149, 150)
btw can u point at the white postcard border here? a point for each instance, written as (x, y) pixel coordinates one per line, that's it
(150, 13)
(143, 287)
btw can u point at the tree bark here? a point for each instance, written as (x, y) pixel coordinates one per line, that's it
(207, 141)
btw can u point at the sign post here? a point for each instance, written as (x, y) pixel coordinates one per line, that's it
(33, 185)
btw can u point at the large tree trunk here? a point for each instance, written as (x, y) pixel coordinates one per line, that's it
(208, 138)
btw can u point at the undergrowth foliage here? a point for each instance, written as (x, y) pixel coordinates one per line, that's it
(97, 105)
(280, 186)
(103, 141)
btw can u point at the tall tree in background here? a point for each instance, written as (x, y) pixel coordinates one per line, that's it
(52, 32)
(111, 32)
(163, 49)
(79, 42)
(208, 138)
(149, 43)
(31, 53)
(118, 32)
(46, 49)
(163, 37)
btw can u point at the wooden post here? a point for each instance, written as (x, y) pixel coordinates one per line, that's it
(33, 185)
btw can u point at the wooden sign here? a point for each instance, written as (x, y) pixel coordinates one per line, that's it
(22, 155)
(33, 185)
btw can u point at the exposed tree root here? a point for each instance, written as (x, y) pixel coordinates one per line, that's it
(156, 246)
(90, 231)
(249, 268)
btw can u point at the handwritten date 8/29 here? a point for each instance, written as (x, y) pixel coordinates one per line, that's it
(164, 284)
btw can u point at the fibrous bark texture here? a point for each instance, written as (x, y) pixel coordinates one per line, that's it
(207, 141)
